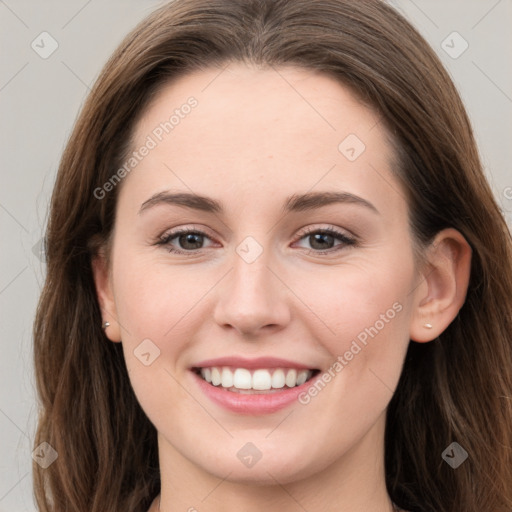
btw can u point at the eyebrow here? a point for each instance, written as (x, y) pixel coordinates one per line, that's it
(295, 203)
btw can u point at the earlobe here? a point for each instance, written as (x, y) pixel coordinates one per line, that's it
(105, 294)
(445, 280)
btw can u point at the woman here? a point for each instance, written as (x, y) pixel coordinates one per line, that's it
(277, 277)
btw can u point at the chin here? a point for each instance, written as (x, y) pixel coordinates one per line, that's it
(279, 468)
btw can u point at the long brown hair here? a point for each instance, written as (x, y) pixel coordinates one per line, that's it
(457, 388)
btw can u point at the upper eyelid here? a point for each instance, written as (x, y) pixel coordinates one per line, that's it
(342, 231)
(180, 230)
(302, 231)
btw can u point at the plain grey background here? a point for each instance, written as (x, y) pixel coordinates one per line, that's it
(40, 96)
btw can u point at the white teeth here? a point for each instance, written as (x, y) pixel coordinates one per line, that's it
(242, 379)
(278, 379)
(291, 378)
(302, 377)
(226, 378)
(259, 380)
(216, 379)
(207, 374)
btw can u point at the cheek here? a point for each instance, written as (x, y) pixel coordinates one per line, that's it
(153, 305)
(357, 301)
(363, 313)
(159, 307)
(154, 299)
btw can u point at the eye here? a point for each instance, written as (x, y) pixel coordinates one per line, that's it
(189, 240)
(323, 241)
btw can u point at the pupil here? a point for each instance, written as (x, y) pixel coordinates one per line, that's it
(193, 239)
(322, 237)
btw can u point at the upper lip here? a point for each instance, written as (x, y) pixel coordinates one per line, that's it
(258, 362)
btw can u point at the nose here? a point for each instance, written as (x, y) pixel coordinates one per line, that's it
(252, 299)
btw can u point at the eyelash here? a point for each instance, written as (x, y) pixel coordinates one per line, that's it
(347, 241)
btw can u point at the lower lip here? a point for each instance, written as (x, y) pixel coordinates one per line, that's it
(244, 403)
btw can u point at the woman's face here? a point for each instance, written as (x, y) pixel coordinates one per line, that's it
(298, 262)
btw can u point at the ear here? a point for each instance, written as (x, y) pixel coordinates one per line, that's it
(105, 293)
(443, 287)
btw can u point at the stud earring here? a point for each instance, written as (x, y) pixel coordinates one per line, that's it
(427, 326)
(105, 325)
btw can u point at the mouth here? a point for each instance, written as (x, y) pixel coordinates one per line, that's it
(254, 381)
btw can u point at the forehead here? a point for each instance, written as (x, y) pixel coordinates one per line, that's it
(255, 100)
(242, 128)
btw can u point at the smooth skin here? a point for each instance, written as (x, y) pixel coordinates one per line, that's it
(256, 137)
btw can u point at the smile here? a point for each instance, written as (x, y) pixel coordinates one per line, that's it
(255, 381)
(254, 387)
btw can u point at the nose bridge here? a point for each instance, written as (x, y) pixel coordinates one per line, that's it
(252, 297)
